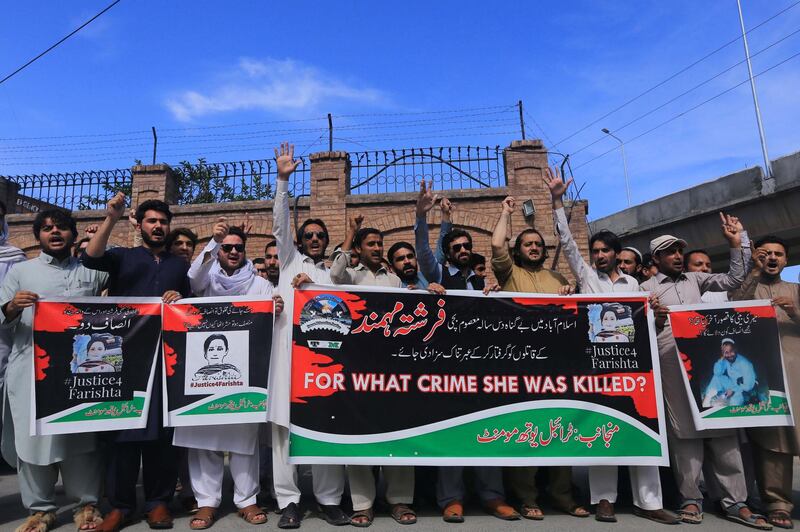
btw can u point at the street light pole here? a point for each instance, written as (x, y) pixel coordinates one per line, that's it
(624, 162)
(767, 165)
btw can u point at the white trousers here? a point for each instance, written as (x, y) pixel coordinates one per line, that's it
(645, 485)
(327, 480)
(399, 485)
(206, 469)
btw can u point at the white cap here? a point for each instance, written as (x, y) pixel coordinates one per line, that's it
(663, 242)
(634, 251)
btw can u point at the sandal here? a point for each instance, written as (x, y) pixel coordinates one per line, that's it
(88, 517)
(690, 517)
(334, 515)
(399, 511)
(290, 517)
(253, 514)
(501, 510)
(453, 512)
(576, 510)
(204, 518)
(366, 515)
(780, 518)
(531, 511)
(38, 522)
(734, 514)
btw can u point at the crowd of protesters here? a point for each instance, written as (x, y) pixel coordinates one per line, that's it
(165, 263)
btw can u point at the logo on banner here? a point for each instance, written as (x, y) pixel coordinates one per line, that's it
(326, 312)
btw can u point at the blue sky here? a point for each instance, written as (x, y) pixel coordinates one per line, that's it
(187, 65)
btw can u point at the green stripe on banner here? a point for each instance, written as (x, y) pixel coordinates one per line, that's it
(462, 440)
(106, 410)
(234, 403)
(778, 406)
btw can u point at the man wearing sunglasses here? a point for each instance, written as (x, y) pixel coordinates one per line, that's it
(222, 269)
(457, 274)
(299, 262)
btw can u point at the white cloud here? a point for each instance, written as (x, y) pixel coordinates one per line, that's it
(275, 85)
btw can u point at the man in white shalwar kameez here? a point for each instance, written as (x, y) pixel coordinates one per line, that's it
(222, 269)
(296, 267)
(40, 459)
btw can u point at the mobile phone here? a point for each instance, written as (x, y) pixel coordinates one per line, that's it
(528, 209)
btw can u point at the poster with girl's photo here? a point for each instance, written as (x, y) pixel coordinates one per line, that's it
(94, 363)
(216, 360)
(732, 364)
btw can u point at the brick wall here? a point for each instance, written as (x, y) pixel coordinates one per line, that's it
(476, 210)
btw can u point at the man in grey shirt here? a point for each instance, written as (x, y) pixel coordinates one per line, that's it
(687, 444)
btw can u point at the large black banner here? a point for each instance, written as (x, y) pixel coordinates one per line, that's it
(400, 377)
(216, 360)
(94, 363)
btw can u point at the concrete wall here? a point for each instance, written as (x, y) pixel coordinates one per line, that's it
(692, 214)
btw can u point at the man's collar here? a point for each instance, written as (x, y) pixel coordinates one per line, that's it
(662, 278)
(162, 253)
(621, 276)
(317, 264)
(359, 267)
(49, 259)
(453, 270)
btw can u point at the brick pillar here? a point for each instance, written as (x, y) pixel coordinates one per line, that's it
(525, 162)
(330, 184)
(150, 181)
(154, 181)
(8, 195)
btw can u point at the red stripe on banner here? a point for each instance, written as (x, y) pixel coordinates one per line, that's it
(56, 317)
(322, 374)
(143, 309)
(687, 364)
(170, 359)
(687, 324)
(643, 395)
(256, 307)
(177, 317)
(566, 304)
(41, 361)
(765, 311)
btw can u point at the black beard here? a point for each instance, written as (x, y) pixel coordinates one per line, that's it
(150, 242)
(274, 278)
(525, 261)
(408, 278)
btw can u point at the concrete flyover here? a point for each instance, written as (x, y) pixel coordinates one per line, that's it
(765, 206)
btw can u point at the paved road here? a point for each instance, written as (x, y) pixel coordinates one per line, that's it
(12, 514)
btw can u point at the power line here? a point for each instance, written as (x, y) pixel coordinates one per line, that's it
(497, 109)
(673, 76)
(684, 93)
(689, 110)
(200, 142)
(234, 149)
(76, 30)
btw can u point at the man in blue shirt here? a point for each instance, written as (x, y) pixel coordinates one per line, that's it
(403, 260)
(734, 378)
(146, 270)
